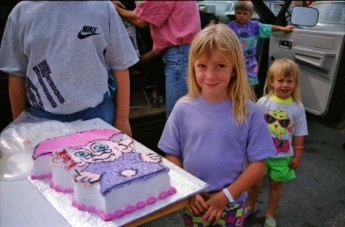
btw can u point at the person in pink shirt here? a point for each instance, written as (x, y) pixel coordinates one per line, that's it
(173, 25)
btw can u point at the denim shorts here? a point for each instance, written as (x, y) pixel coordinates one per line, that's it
(104, 111)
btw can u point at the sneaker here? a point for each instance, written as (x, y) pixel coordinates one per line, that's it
(247, 213)
(270, 222)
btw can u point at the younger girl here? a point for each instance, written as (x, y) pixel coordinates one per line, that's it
(285, 117)
(216, 128)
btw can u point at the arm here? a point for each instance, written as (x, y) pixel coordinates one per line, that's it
(17, 95)
(148, 55)
(174, 159)
(129, 16)
(196, 203)
(298, 144)
(287, 28)
(218, 200)
(248, 178)
(122, 101)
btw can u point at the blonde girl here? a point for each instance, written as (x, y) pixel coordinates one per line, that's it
(286, 120)
(216, 128)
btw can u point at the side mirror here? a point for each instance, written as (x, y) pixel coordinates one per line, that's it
(207, 8)
(304, 16)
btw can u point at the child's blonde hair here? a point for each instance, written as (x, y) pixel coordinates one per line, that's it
(244, 6)
(220, 37)
(283, 68)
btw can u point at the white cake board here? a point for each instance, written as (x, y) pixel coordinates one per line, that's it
(185, 184)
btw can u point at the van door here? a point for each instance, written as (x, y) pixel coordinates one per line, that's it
(322, 71)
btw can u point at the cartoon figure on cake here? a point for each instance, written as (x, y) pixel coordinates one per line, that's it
(100, 150)
(278, 123)
(43, 151)
(113, 163)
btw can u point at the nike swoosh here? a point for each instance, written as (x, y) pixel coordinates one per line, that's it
(82, 36)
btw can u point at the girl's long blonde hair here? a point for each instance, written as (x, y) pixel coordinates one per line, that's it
(220, 37)
(283, 68)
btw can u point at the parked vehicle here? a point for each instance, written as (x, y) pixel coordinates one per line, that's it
(319, 53)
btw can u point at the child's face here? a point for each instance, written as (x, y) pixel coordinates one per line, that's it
(283, 86)
(213, 74)
(242, 16)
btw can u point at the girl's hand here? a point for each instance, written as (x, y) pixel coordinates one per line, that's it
(197, 205)
(216, 205)
(294, 164)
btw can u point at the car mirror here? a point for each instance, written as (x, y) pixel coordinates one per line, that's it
(207, 8)
(304, 16)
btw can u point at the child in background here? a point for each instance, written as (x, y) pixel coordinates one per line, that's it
(216, 128)
(249, 32)
(286, 120)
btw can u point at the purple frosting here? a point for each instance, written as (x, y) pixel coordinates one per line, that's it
(112, 171)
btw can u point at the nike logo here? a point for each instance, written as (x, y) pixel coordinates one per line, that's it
(87, 31)
(83, 36)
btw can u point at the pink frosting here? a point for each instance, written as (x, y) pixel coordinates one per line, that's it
(127, 210)
(163, 194)
(72, 140)
(172, 191)
(130, 209)
(151, 200)
(60, 189)
(41, 176)
(140, 204)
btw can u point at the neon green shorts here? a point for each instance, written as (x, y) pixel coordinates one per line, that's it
(278, 169)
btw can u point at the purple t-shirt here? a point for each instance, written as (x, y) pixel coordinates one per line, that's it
(212, 145)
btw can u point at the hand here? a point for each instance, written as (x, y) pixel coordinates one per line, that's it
(126, 144)
(216, 205)
(123, 126)
(87, 177)
(118, 4)
(197, 205)
(151, 157)
(289, 28)
(294, 164)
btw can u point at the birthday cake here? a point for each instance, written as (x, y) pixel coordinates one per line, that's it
(103, 171)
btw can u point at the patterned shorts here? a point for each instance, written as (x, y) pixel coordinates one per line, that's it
(232, 216)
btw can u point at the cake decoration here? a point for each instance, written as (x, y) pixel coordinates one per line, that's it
(43, 151)
(104, 172)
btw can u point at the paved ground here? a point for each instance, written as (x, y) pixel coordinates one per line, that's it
(316, 198)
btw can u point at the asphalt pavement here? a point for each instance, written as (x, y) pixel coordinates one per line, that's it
(316, 198)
